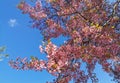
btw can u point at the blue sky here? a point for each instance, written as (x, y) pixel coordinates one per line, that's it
(23, 41)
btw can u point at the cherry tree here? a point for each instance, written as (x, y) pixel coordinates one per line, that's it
(92, 28)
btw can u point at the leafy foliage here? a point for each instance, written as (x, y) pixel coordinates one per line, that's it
(2, 54)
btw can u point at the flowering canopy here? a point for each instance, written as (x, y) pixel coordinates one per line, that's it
(93, 31)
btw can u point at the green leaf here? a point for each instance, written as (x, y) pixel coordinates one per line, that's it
(33, 58)
(2, 49)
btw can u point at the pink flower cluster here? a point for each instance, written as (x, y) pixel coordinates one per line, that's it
(34, 12)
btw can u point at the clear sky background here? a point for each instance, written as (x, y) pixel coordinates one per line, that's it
(23, 41)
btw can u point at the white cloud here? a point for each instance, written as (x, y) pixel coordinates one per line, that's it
(12, 22)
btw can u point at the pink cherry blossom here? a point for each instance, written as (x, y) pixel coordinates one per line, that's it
(90, 28)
